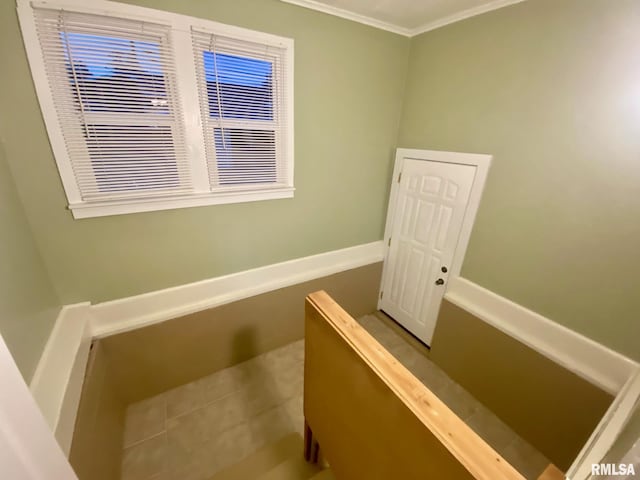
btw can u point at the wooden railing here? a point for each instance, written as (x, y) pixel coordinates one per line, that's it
(372, 419)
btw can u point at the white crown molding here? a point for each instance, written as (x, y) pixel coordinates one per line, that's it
(356, 17)
(57, 382)
(141, 310)
(390, 27)
(591, 360)
(463, 15)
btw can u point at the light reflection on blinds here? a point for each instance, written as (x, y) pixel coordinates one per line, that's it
(241, 95)
(114, 89)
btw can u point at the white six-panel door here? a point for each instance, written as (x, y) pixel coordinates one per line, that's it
(426, 216)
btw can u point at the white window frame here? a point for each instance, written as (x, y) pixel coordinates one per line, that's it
(181, 26)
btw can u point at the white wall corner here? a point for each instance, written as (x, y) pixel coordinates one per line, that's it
(28, 449)
(587, 358)
(129, 313)
(57, 383)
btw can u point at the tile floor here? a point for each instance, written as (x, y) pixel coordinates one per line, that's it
(193, 431)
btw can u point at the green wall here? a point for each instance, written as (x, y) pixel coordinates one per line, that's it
(28, 304)
(349, 80)
(551, 88)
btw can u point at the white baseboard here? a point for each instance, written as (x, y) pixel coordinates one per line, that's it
(138, 311)
(58, 379)
(589, 359)
(57, 382)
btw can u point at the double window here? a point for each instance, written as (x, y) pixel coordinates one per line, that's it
(150, 110)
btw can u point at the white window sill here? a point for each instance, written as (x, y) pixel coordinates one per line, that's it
(122, 207)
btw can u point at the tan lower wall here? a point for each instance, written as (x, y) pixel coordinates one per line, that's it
(153, 359)
(97, 440)
(549, 406)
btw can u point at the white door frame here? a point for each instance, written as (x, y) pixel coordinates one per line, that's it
(482, 163)
(28, 448)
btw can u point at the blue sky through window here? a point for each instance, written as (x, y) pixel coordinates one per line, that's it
(103, 55)
(238, 87)
(236, 70)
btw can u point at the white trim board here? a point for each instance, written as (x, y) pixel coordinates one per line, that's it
(591, 360)
(141, 310)
(608, 430)
(463, 15)
(57, 383)
(348, 15)
(28, 449)
(58, 380)
(201, 191)
(390, 27)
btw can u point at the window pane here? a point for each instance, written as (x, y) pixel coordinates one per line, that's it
(143, 157)
(238, 87)
(245, 156)
(111, 74)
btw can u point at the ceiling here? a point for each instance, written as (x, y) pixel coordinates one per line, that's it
(406, 17)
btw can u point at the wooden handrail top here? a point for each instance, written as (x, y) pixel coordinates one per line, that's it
(479, 459)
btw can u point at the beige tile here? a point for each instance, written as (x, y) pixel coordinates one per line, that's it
(230, 380)
(459, 400)
(491, 429)
(145, 459)
(525, 458)
(291, 354)
(372, 324)
(187, 433)
(384, 334)
(144, 419)
(431, 375)
(293, 407)
(218, 385)
(230, 446)
(185, 399)
(221, 450)
(255, 389)
(285, 368)
(270, 426)
(256, 397)
(287, 384)
(388, 338)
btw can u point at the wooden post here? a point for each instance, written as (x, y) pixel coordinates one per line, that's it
(311, 446)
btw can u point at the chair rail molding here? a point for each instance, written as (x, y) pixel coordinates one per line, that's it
(587, 358)
(57, 382)
(141, 310)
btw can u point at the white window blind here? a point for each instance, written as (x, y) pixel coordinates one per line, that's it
(113, 84)
(242, 91)
(151, 110)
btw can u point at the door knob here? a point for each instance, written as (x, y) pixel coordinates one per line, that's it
(439, 281)
(444, 269)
